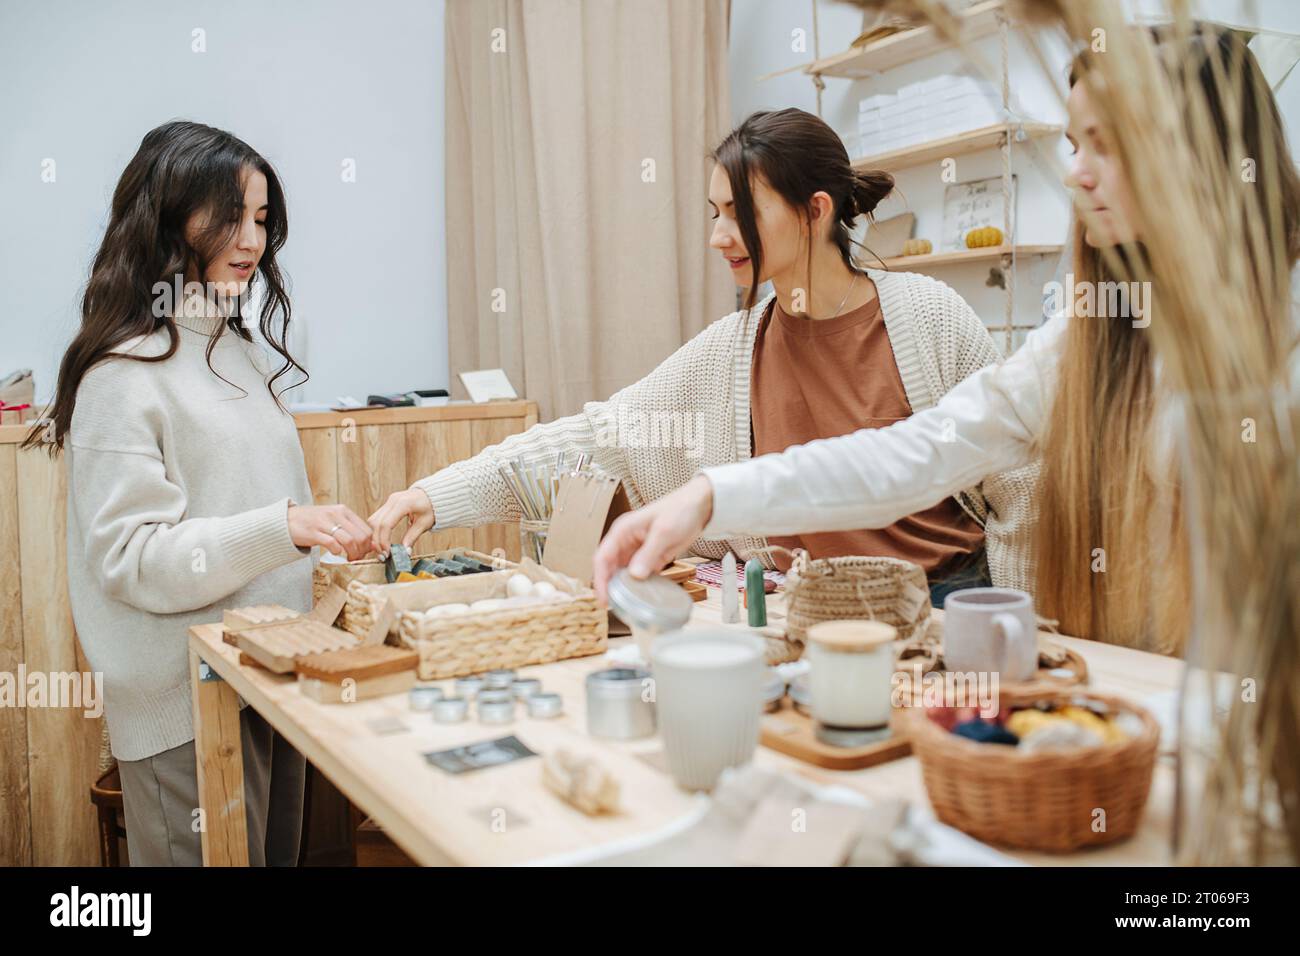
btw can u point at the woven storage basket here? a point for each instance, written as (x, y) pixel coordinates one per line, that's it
(873, 588)
(1037, 801)
(490, 640)
(356, 618)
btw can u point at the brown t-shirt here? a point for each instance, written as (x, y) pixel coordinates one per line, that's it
(822, 378)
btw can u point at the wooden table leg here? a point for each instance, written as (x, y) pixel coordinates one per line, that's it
(219, 756)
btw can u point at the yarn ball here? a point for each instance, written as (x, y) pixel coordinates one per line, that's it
(983, 732)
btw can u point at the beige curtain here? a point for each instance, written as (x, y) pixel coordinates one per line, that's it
(577, 176)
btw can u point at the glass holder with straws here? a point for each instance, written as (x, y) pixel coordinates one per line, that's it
(534, 481)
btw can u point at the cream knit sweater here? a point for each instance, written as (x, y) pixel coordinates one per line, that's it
(693, 412)
(179, 486)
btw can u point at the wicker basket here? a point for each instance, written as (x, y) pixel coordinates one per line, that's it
(873, 588)
(1037, 801)
(356, 618)
(489, 640)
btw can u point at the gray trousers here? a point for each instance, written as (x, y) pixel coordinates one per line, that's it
(160, 795)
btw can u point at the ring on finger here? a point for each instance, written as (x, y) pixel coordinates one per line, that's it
(333, 529)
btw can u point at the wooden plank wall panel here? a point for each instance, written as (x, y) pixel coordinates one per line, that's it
(15, 810)
(49, 756)
(62, 743)
(490, 431)
(320, 454)
(371, 466)
(430, 447)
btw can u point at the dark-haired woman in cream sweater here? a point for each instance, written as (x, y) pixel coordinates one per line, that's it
(187, 491)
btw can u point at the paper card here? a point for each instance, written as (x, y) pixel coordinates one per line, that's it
(785, 832)
(585, 507)
(487, 753)
(486, 384)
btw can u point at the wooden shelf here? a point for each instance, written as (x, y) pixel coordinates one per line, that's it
(891, 51)
(986, 137)
(989, 253)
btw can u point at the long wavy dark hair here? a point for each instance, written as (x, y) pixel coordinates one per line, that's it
(180, 169)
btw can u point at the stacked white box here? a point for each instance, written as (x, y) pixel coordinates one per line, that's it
(934, 108)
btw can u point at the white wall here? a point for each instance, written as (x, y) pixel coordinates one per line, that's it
(761, 43)
(307, 84)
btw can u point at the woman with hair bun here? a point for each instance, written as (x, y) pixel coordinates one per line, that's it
(834, 348)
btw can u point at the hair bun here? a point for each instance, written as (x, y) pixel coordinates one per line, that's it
(870, 187)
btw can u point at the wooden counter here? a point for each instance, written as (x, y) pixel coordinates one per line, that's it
(48, 756)
(503, 815)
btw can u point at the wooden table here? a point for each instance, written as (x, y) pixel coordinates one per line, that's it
(504, 815)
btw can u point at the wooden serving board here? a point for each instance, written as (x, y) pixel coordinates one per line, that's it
(789, 732)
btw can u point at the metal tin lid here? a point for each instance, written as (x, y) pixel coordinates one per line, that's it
(496, 712)
(525, 687)
(450, 710)
(469, 686)
(852, 637)
(545, 705)
(424, 697)
(495, 696)
(655, 604)
(617, 682)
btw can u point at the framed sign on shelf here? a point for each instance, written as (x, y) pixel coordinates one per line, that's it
(972, 205)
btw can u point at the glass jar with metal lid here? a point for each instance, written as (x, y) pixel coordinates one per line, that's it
(650, 607)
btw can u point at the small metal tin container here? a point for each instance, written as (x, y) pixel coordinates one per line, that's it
(494, 696)
(615, 707)
(544, 705)
(773, 690)
(450, 710)
(651, 607)
(499, 680)
(495, 711)
(469, 686)
(525, 687)
(801, 695)
(423, 698)
(850, 736)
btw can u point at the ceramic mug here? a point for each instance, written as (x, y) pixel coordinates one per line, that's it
(990, 630)
(706, 685)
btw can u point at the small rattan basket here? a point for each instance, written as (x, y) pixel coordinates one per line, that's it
(357, 617)
(1053, 801)
(510, 637)
(872, 588)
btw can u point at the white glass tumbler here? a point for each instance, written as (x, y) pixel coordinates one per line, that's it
(707, 689)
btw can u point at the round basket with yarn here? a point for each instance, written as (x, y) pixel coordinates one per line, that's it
(855, 587)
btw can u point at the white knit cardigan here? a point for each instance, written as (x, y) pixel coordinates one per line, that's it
(693, 411)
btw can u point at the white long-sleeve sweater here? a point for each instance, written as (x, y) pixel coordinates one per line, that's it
(693, 411)
(178, 493)
(870, 478)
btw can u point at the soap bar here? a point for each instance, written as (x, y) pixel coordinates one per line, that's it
(755, 600)
(399, 560)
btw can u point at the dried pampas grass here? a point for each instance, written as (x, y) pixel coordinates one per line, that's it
(1219, 243)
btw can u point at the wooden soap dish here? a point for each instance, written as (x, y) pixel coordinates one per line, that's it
(789, 732)
(277, 646)
(357, 673)
(679, 572)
